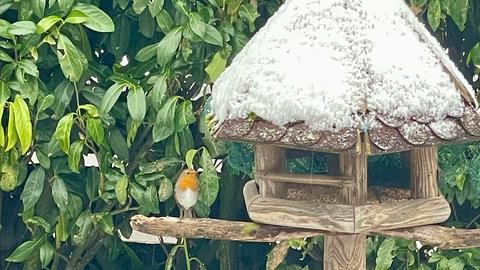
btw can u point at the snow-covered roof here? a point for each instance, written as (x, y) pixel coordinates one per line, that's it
(342, 64)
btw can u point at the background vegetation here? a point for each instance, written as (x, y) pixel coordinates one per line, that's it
(128, 82)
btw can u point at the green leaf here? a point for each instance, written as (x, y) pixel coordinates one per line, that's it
(46, 23)
(434, 14)
(2, 131)
(456, 263)
(4, 92)
(12, 137)
(164, 21)
(110, 97)
(208, 180)
(46, 102)
(60, 193)
(132, 128)
(33, 188)
(95, 129)
(83, 225)
(385, 254)
(473, 55)
(65, 5)
(168, 46)
(97, 19)
(91, 109)
(181, 6)
(23, 125)
(165, 190)
(171, 256)
(25, 250)
(46, 254)
(249, 13)
(216, 67)
(92, 183)
(5, 57)
(62, 132)
(165, 121)
(22, 28)
(213, 36)
(63, 95)
(155, 7)
(74, 154)
(118, 143)
(72, 61)
(184, 115)
(61, 229)
(38, 221)
(137, 104)
(189, 158)
(106, 223)
(147, 53)
(29, 67)
(121, 189)
(460, 180)
(76, 17)
(38, 8)
(151, 199)
(139, 5)
(147, 24)
(197, 25)
(158, 93)
(458, 10)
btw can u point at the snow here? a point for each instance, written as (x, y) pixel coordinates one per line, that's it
(338, 64)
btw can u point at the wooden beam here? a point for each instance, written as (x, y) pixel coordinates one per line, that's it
(348, 251)
(270, 158)
(311, 179)
(434, 235)
(337, 218)
(423, 172)
(402, 214)
(217, 229)
(438, 236)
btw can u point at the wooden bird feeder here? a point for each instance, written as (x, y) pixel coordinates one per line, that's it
(322, 76)
(255, 101)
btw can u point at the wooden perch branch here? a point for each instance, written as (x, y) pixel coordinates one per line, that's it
(434, 235)
(441, 237)
(218, 229)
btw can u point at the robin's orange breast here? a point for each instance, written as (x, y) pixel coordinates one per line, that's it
(188, 182)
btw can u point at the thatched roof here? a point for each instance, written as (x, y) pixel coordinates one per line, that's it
(321, 72)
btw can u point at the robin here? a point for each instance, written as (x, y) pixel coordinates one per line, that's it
(186, 192)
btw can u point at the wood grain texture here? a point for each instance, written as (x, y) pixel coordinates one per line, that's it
(438, 236)
(217, 229)
(401, 214)
(346, 252)
(349, 251)
(423, 172)
(338, 218)
(434, 235)
(270, 158)
(311, 179)
(250, 193)
(355, 165)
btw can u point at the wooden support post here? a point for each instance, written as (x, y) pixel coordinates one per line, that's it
(270, 158)
(348, 251)
(423, 172)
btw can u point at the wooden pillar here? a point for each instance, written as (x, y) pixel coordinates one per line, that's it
(423, 172)
(270, 158)
(349, 251)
